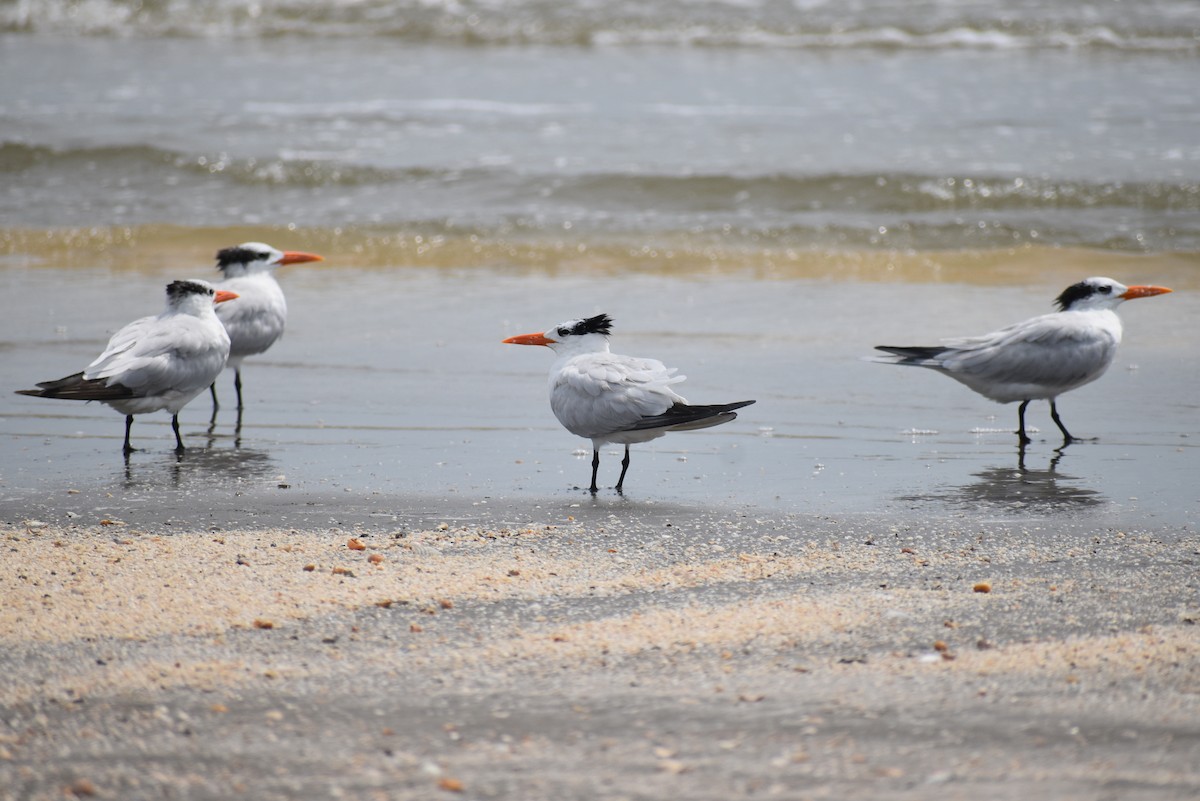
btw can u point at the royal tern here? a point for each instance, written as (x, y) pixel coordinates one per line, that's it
(1040, 358)
(605, 397)
(258, 318)
(155, 363)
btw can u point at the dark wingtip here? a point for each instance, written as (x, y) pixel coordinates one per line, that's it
(76, 387)
(913, 351)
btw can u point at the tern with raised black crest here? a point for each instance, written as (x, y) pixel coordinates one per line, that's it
(607, 397)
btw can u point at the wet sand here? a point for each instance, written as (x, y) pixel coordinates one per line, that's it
(859, 589)
(391, 383)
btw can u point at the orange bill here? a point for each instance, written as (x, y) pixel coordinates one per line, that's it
(298, 257)
(529, 339)
(224, 295)
(1144, 292)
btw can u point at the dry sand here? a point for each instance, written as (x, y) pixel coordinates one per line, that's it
(704, 658)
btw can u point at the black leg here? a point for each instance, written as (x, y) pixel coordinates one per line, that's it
(128, 425)
(178, 440)
(595, 467)
(1067, 438)
(237, 384)
(1021, 418)
(624, 467)
(213, 389)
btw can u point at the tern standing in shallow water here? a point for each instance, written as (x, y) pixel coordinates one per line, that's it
(258, 318)
(155, 363)
(606, 397)
(1040, 358)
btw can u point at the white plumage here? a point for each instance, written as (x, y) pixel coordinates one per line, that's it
(599, 395)
(1040, 358)
(257, 319)
(155, 363)
(606, 397)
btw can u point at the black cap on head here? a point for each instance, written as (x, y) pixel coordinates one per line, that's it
(238, 255)
(600, 324)
(1082, 291)
(179, 289)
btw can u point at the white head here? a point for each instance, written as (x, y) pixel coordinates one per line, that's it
(253, 257)
(1102, 293)
(584, 335)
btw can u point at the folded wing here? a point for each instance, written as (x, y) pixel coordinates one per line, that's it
(597, 394)
(1038, 357)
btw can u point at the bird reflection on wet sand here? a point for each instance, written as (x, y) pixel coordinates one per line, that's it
(211, 432)
(200, 467)
(1019, 488)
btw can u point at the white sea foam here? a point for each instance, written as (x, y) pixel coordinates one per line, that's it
(378, 107)
(1166, 25)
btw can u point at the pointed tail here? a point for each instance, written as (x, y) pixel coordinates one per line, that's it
(918, 355)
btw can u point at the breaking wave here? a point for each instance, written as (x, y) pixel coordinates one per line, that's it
(1149, 25)
(785, 193)
(142, 184)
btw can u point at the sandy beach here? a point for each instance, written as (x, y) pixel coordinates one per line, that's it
(660, 656)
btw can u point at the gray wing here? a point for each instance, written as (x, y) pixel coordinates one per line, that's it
(1041, 351)
(599, 394)
(153, 355)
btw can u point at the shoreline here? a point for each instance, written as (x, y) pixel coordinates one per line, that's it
(175, 249)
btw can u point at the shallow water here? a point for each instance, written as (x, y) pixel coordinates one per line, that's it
(904, 147)
(392, 397)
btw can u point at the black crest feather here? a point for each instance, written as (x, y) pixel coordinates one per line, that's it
(179, 289)
(1073, 294)
(237, 255)
(600, 324)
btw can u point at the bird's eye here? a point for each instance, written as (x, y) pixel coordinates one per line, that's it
(1106, 290)
(562, 332)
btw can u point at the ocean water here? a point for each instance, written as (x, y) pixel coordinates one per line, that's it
(742, 124)
(757, 191)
